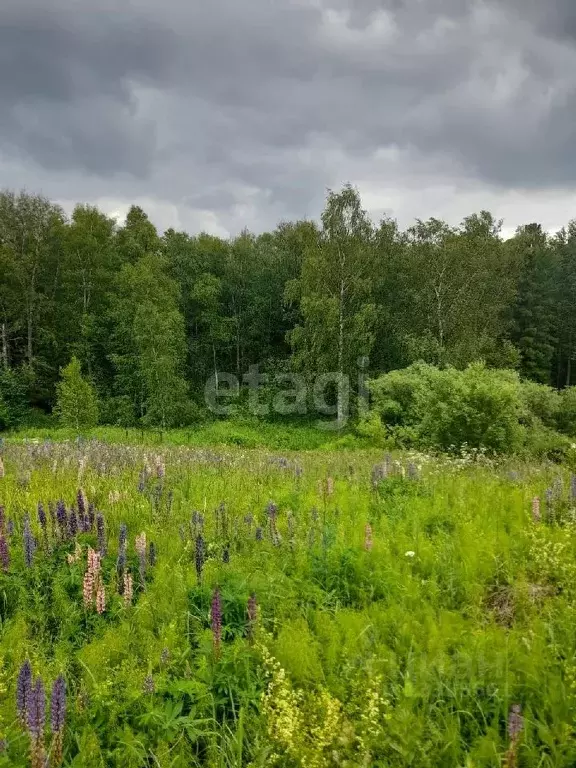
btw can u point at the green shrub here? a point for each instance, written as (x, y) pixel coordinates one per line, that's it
(566, 416)
(449, 408)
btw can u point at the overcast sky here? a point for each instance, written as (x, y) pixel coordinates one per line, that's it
(219, 114)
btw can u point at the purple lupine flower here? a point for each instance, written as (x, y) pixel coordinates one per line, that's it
(36, 709)
(23, 690)
(142, 481)
(515, 722)
(164, 656)
(199, 555)
(148, 685)
(62, 518)
(73, 522)
(216, 620)
(272, 511)
(81, 501)
(91, 515)
(42, 516)
(101, 530)
(4, 553)
(58, 705)
(152, 553)
(29, 543)
(259, 534)
(226, 553)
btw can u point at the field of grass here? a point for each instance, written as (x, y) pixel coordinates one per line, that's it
(313, 608)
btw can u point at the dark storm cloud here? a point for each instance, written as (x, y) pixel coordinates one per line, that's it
(205, 104)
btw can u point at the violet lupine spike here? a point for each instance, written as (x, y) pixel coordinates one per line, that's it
(62, 518)
(23, 690)
(91, 515)
(226, 553)
(73, 522)
(259, 534)
(216, 620)
(58, 705)
(36, 710)
(101, 530)
(42, 516)
(199, 556)
(4, 553)
(81, 500)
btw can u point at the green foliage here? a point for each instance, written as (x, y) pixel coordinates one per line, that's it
(448, 408)
(77, 405)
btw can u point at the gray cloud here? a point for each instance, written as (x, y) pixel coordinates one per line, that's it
(243, 113)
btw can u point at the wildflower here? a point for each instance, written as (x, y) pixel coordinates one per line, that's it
(252, 615)
(199, 556)
(164, 656)
(148, 686)
(249, 520)
(128, 588)
(216, 620)
(100, 598)
(515, 722)
(160, 467)
(76, 555)
(100, 528)
(57, 718)
(23, 690)
(88, 588)
(91, 515)
(259, 534)
(536, 517)
(142, 481)
(29, 543)
(4, 553)
(36, 718)
(368, 537)
(141, 550)
(226, 553)
(410, 553)
(41, 516)
(140, 544)
(73, 522)
(62, 518)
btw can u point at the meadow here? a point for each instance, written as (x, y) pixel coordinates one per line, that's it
(192, 605)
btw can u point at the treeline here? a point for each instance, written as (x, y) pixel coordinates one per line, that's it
(150, 317)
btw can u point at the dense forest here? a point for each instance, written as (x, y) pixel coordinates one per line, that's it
(151, 316)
